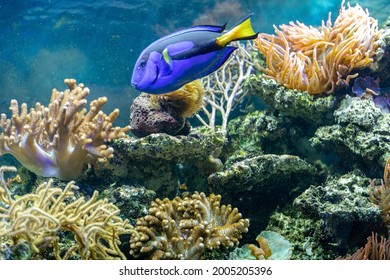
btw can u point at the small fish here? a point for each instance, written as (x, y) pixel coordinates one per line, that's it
(181, 57)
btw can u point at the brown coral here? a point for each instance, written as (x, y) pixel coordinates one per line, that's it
(320, 60)
(183, 228)
(56, 141)
(261, 252)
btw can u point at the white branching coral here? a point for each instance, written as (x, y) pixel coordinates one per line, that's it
(224, 89)
(56, 141)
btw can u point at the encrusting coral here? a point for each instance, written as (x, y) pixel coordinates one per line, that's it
(320, 60)
(42, 218)
(183, 228)
(56, 141)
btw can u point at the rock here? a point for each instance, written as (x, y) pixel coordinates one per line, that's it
(134, 202)
(255, 132)
(357, 111)
(295, 103)
(362, 135)
(162, 162)
(343, 206)
(259, 185)
(264, 173)
(145, 119)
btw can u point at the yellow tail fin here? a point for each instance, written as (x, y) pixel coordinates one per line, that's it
(242, 31)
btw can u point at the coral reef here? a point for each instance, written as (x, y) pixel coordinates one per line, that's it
(254, 133)
(261, 184)
(270, 132)
(132, 201)
(328, 220)
(294, 103)
(343, 207)
(300, 231)
(146, 119)
(261, 172)
(360, 135)
(244, 253)
(183, 228)
(57, 141)
(367, 87)
(320, 60)
(21, 251)
(43, 218)
(158, 161)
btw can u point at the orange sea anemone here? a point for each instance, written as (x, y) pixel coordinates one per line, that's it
(320, 60)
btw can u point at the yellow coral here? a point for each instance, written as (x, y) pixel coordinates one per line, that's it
(183, 228)
(42, 218)
(184, 102)
(320, 60)
(56, 141)
(261, 252)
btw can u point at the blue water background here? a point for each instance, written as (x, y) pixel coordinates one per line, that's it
(98, 42)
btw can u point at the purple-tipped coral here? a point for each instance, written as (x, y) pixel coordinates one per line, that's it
(369, 86)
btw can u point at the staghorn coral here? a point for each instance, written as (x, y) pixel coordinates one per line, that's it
(320, 60)
(380, 195)
(42, 218)
(56, 141)
(183, 228)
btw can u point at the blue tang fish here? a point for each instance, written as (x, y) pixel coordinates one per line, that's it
(184, 56)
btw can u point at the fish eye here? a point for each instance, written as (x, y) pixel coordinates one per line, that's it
(143, 63)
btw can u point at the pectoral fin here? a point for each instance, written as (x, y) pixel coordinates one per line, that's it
(167, 58)
(167, 64)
